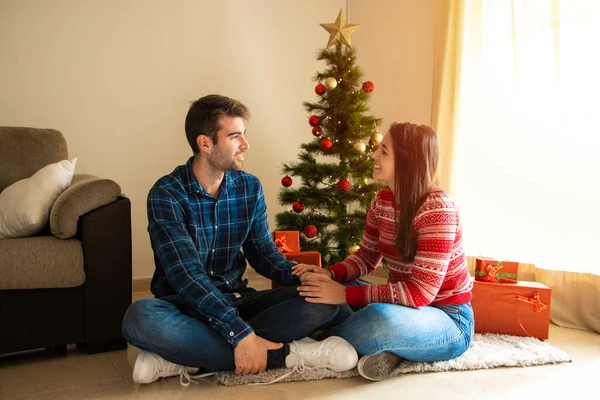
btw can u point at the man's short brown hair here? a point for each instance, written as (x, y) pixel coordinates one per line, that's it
(205, 113)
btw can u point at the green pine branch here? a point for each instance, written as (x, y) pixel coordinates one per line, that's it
(338, 216)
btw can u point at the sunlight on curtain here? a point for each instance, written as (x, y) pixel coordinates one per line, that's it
(527, 149)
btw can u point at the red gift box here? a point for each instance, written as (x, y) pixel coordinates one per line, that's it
(488, 270)
(520, 309)
(287, 241)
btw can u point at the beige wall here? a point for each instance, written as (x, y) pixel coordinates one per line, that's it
(395, 49)
(117, 78)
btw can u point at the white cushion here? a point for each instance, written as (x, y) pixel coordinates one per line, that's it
(25, 205)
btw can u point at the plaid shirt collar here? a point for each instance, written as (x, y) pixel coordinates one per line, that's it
(191, 185)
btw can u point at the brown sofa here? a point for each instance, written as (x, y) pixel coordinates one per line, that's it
(70, 284)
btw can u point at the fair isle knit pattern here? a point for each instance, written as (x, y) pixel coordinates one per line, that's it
(437, 275)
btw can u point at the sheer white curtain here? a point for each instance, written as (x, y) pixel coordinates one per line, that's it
(526, 153)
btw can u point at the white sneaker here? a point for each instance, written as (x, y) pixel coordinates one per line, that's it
(149, 368)
(333, 353)
(376, 367)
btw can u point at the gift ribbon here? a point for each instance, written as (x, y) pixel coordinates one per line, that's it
(281, 244)
(535, 300)
(492, 272)
(538, 306)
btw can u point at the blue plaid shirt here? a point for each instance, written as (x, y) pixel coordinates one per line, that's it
(197, 242)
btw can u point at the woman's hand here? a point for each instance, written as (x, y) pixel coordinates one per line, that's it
(321, 289)
(300, 269)
(307, 276)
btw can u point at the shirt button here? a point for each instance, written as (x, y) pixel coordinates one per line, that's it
(213, 250)
(210, 319)
(227, 282)
(230, 333)
(216, 227)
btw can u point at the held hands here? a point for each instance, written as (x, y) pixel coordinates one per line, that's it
(306, 271)
(250, 355)
(319, 288)
(317, 285)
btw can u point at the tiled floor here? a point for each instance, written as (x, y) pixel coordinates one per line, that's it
(108, 376)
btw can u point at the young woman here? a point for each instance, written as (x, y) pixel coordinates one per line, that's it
(424, 312)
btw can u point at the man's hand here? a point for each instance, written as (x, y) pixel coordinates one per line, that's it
(305, 271)
(250, 354)
(321, 289)
(311, 275)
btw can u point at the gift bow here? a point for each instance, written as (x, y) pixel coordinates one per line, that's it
(492, 272)
(281, 244)
(538, 306)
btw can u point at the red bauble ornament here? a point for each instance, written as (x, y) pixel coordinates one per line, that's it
(326, 144)
(316, 131)
(310, 231)
(314, 120)
(368, 86)
(320, 89)
(343, 185)
(298, 207)
(286, 181)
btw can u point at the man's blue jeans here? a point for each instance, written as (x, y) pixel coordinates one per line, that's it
(178, 333)
(423, 334)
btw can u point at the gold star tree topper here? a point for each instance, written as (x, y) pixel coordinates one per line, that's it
(340, 30)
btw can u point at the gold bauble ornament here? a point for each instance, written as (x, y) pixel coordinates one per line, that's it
(377, 137)
(365, 180)
(360, 147)
(353, 249)
(330, 83)
(340, 31)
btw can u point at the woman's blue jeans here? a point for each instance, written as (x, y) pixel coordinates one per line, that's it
(178, 333)
(424, 334)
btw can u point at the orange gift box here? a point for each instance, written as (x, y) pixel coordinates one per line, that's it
(287, 241)
(520, 309)
(305, 257)
(488, 270)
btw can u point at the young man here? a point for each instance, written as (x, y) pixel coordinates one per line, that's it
(204, 316)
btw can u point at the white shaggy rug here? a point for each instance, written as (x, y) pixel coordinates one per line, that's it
(487, 351)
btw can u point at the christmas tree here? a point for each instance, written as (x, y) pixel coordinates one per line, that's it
(334, 169)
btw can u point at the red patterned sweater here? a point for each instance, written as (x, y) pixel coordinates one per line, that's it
(438, 274)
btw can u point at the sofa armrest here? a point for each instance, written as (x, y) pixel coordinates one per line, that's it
(86, 193)
(105, 235)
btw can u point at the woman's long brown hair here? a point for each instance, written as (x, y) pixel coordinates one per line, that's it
(416, 155)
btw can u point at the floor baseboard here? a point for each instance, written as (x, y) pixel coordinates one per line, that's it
(140, 284)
